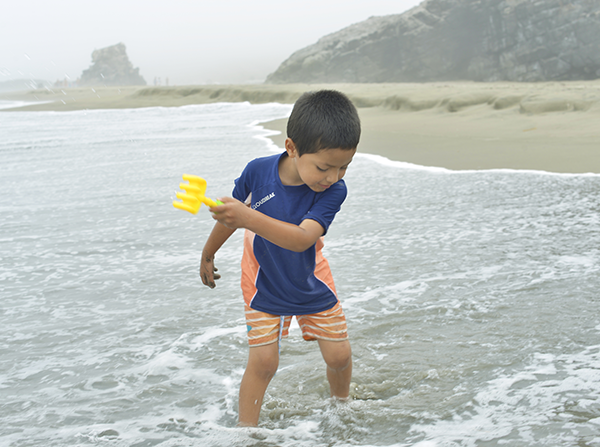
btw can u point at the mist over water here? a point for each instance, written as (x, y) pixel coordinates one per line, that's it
(471, 297)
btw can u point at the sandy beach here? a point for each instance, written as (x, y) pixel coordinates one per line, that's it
(456, 125)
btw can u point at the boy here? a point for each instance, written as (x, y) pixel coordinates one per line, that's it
(286, 203)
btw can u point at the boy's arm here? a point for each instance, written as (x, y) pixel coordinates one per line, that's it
(234, 214)
(217, 238)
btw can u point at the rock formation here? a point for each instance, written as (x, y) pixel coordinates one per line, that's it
(442, 40)
(111, 66)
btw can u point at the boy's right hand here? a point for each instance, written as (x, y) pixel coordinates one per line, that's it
(207, 271)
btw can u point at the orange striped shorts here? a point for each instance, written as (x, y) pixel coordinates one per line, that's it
(264, 328)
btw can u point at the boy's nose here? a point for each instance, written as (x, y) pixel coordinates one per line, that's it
(333, 177)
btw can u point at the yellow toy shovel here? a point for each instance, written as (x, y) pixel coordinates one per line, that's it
(194, 197)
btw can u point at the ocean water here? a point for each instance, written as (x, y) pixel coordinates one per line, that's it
(471, 297)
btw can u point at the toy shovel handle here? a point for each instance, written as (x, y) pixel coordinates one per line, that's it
(210, 202)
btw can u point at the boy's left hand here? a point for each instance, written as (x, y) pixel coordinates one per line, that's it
(232, 213)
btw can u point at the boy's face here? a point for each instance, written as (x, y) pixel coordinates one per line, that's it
(322, 169)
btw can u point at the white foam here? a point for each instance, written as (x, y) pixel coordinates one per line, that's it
(384, 161)
(17, 104)
(212, 333)
(513, 405)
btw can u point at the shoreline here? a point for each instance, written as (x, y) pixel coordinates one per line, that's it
(455, 125)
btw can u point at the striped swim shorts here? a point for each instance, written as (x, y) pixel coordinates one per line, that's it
(264, 328)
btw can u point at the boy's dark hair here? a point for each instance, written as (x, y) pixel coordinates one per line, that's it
(325, 119)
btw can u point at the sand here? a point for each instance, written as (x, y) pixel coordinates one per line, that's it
(456, 125)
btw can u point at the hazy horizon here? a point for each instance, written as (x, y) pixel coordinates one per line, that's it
(228, 42)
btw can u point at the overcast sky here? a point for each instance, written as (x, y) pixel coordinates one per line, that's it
(189, 42)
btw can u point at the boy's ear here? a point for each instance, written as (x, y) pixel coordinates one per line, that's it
(290, 148)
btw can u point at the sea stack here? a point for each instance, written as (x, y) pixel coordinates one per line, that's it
(111, 66)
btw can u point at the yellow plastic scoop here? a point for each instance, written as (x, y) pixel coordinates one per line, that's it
(194, 197)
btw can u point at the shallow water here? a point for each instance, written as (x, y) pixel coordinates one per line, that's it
(471, 296)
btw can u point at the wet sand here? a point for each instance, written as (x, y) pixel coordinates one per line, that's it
(461, 125)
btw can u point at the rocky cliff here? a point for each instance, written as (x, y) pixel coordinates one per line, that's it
(443, 40)
(111, 66)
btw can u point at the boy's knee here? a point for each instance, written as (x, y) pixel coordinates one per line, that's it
(339, 363)
(339, 359)
(264, 362)
(268, 369)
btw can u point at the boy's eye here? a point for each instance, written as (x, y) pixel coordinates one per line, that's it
(322, 170)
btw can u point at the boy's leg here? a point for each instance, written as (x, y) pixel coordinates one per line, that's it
(338, 357)
(262, 366)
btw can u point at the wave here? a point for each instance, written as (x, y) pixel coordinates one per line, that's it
(16, 104)
(405, 165)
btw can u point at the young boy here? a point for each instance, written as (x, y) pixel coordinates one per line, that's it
(286, 203)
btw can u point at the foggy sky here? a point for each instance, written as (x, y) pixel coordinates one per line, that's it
(189, 42)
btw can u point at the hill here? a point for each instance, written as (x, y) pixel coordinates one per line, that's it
(446, 40)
